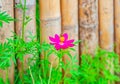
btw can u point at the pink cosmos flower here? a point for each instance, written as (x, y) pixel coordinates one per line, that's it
(61, 42)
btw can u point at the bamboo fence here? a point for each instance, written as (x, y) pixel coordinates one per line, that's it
(5, 32)
(95, 22)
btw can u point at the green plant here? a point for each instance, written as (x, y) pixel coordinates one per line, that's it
(25, 19)
(16, 49)
(4, 17)
(91, 71)
(43, 72)
(97, 69)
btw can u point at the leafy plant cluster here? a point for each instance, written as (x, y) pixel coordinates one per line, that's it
(92, 70)
(4, 17)
(100, 68)
(103, 68)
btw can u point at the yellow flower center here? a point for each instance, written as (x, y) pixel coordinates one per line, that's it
(62, 39)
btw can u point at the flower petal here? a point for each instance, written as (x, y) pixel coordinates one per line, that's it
(57, 38)
(70, 41)
(65, 36)
(70, 45)
(57, 46)
(64, 46)
(52, 39)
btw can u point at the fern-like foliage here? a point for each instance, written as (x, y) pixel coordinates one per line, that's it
(4, 17)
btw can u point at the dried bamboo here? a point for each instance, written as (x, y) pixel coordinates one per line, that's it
(6, 32)
(106, 27)
(117, 28)
(50, 22)
(30, 28)
(69, 15)
(88, 21)
(106, 24)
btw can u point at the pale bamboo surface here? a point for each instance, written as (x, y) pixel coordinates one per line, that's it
(106, 25)
(69, 16)
(88, 25)
(50, 18)
(117, 28)
(6, 32)
(30, 28)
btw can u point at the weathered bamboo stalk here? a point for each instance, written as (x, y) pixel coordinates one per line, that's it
(50, 22)
(106, 24)
(6, 32)
(117, 28)
(106, 27)
(88, 21)
(30, 28)
(69, 15)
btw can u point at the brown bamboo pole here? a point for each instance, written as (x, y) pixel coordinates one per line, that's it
(117, 27)
(69, 15)
(106, 27)
(31, 26)
(6, 32)
(88, 21)
(50, 22)
(106, 24)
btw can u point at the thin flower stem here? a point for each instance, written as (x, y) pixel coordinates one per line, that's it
(50, 74)
(22, 72)
(40, 79)
(59, 59)
(31, 76)
(44, 66)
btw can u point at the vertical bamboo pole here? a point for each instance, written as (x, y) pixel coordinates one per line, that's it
(50, 21)
(106, 27)
(6, 32)
(117, 27)
(88, 21)
(30, 28)
(70, 23)
(106, 24)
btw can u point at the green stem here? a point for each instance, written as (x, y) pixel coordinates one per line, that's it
(59, 62)
(23, 19)
(31, 76)
(22, 72)
(40, 79)
(44, 66)
(50, 74)
(59, 59)
(23, 31)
